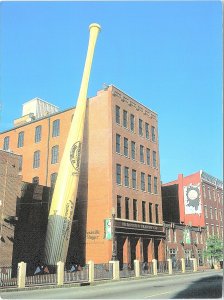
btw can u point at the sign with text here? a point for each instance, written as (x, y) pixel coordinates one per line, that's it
(141, 226)
(107, 229)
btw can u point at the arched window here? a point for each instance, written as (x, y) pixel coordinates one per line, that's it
(56, 128)
(36, 159)
(6, 143)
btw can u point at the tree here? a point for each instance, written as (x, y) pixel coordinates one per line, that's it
(214, 249)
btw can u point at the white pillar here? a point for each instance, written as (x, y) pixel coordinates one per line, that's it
(170, 267)
(154, 262)
(194, 264)
(91, 270)
(183, 265)
(137, 268)
(116, 269)
(60, 272)
(21, 279)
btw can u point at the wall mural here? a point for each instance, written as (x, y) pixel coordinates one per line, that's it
(192, 199)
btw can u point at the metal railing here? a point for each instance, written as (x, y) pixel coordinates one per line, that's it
(146, 268)
(127, 271)
(177, 266)
(162, 267)
(189, 265)
(6, 279)
(103, 271)
(79, 274)
(42, 275)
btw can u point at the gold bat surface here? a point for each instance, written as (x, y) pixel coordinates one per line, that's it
(66, 187)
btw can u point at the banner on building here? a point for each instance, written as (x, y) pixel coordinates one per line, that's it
(107, 229)
(192, 199)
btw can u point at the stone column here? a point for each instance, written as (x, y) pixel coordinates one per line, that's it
(21, 280)
(60, 273)
(91, 270)
(194, 264)
(116, 269)
(137, 268)
(151, 250)
(139, 250)
(170, 268)
(126, 251)
(183, 265)
(154, 261)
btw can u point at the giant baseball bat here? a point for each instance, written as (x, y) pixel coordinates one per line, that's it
(66, 187)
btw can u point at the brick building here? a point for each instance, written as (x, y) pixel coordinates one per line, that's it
(120, 175)
(10, 182)
(192, 208)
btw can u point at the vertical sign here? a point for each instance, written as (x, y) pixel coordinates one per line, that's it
(107, 229)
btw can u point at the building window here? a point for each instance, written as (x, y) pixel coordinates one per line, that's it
(126, 147)
(135, 209)
(141, 154)
(118, 206)
(150, 212)
(154, 158)
(148, 156)
(206, 211)
(20, 163)
(157, 213)
(133, 150)
(126, 176)
(211, 215)
(217, 230)
(143, 211)
(149, 183)
(204, 192)
(213, 231)
(155, 185)
(153, 130)
(53, 179)
(125, 118)
(6, 143)
(126, 208)
(134, 179)
(54, 154)
(142, 181)
(38, 130)
(35, 180)
(20, 139)
(207, 230)
(132, 123)
(140, 130)
(147, 130)
(118, 174)
(36, 159)
(209, 193)
(118, 143)
(56, 128)
(216, 216)
(118, 118)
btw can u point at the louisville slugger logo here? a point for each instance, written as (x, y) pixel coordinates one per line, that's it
(75, 157)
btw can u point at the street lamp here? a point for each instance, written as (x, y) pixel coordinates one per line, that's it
(114, 246)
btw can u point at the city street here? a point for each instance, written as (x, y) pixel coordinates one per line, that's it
(195, 285)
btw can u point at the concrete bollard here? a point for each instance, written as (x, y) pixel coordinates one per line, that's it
(21, 279)
(195, 268)
(170, 267)
(116, 269)
(183, 265)
(137, 268)
(60, 272)
(91, 270)
(154, 262)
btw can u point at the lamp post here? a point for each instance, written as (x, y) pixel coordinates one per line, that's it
(114, 244)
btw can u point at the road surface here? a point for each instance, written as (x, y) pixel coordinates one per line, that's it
(194, 285)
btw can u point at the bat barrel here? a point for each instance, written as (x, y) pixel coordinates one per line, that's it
(66, 187)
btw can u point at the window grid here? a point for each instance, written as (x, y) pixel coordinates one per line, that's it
(118, 174)
(38, 130)
(143, 212)
(56, 128)
(132, 123)
(148, 156)
(147, 130)
(118, 119)
(36, 159)
(134, 185)
(118, 206)
(155, 185)
(126, 176)
(135, 209)
(142, 181)
(54, 154)
(125, 118)
(6, 143)
(149, 183)
(153, 131)
(154, 158)
(140, 130)
(133, 153)
(20, 139)
(118, 143)
(126, 147)
(141, 154)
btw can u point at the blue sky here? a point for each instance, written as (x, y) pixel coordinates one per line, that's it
(166, 55)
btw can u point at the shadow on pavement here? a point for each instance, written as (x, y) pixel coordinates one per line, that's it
(209, 287)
